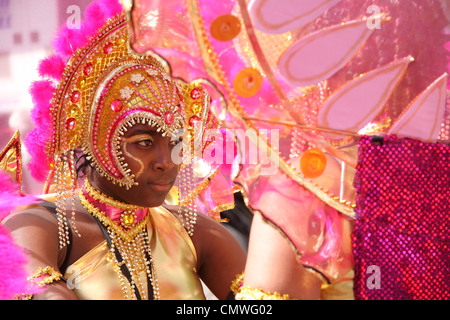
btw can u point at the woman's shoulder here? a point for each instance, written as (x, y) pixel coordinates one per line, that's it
(38, 214)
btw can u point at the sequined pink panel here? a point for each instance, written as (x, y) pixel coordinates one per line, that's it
(402, 235)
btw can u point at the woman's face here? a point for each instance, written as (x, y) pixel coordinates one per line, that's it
(149, 157)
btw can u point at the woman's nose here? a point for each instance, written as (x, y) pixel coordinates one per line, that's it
(163, 160)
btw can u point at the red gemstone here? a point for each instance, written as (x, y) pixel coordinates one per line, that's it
(75, 96)
(193, 120)
(195, 93)
(108, 48)
(71, 123)
(169, 118)
(88, 69)
(116, 105)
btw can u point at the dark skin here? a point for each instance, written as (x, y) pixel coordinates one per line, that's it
(148, 154)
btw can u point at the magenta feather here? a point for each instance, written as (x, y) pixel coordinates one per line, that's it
(35, 141)
(12, 258)
(12, 267)
(10, 197)
(52, 66)
(41, 93)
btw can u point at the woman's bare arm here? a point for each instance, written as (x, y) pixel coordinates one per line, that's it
(36, 231)
(272, 265)
(220, 256)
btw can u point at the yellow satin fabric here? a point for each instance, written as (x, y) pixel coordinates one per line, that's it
(94, 276)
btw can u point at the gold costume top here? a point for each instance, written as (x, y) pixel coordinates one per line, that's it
(96, 275)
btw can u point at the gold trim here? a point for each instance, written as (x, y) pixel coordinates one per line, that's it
(250, 293)
(11, 158)
(49, 274)
(237, 282)
(214, 69)
(127, 235)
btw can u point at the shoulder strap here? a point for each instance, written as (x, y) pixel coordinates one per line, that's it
(123, 266)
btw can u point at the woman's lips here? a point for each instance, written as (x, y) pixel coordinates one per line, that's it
(160, 187)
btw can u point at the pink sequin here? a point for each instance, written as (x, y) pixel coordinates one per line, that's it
(403, 227)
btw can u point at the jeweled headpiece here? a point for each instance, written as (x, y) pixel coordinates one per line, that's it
(102, 88)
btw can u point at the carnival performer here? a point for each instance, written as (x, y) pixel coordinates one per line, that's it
(307, 80)
(109, 135)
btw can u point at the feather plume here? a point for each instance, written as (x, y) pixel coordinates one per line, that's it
(12, 258)
(52, 66)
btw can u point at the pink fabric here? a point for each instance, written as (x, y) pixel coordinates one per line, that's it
(401, 238)
(319, 233)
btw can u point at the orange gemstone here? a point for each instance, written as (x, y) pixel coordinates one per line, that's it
(225, 27)
(74, 111)
(313, 163)
(247, 82)
(127, 218)
(196, 108)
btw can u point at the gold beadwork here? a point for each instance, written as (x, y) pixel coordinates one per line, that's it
(44, 276)
(237, 283)
(130, 239)
(249, 293)
(105, 87)
(128, 234)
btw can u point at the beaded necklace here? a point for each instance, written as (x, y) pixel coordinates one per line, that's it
(127, 236)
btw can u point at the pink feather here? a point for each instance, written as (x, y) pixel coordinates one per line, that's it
(41, 93)
(52, 66)
(12, 258)
(111, 7)
(12, 267)
(10, 197)
(95, 18)
(69, 40)
(35, 141)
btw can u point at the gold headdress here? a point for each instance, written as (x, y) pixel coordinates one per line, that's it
(105, 87)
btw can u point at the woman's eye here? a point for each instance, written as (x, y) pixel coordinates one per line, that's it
(145, 143)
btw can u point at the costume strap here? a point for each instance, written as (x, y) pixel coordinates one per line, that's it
(123, 267)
